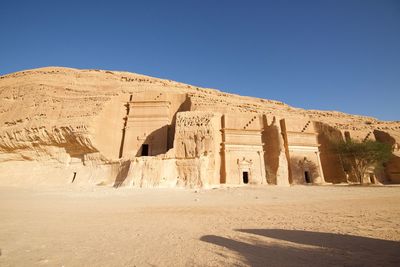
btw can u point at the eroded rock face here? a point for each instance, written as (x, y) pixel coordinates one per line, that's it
(59, 125)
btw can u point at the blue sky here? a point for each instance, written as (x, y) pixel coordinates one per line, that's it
(331, 55)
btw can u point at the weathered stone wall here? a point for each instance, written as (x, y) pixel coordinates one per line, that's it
(197, 147)
(152, 172)
(275, 159)
(331, 163)
(57, 123)
(302, 149)
(49, 172)
(243, 149)
(391, 174)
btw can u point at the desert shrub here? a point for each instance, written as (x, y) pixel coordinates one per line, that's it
(357, 157)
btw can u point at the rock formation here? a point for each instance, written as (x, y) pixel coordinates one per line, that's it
(61, 125)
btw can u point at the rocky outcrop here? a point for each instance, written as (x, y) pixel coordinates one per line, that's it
(62, 124)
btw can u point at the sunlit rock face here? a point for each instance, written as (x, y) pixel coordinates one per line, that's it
(91, 127)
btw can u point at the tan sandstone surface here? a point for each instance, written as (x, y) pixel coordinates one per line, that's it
(242, 226)
(107, 168)
(61, 125)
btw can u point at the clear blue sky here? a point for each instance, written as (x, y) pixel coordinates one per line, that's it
(332, 55)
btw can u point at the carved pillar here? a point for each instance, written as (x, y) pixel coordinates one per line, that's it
(262, 173)
(228, 175)
(320, 167)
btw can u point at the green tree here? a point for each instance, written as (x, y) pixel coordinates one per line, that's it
(358, 156)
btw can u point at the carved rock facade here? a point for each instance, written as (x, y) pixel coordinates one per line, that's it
(99, 127)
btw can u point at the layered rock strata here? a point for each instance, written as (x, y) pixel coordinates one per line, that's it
(61, 125)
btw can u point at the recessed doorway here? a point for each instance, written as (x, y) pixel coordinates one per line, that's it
(372, 178)
(245, 177)
(307, 177)
(145, 150)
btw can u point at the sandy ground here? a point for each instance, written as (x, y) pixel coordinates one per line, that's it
(257, 226)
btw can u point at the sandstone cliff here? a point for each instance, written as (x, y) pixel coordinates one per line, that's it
(55, 120)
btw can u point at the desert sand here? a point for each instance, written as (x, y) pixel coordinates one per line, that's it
(107, 168)
(228, 226)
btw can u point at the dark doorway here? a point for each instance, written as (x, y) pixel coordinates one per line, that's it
(372, 178)
(307, 177)
(73, 178)
(145, 150)
(245, 177)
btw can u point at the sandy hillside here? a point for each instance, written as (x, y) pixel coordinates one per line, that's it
(50, 113)
(58, 124)
(252, 226)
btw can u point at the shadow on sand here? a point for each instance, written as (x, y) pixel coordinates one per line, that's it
(278, 247)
